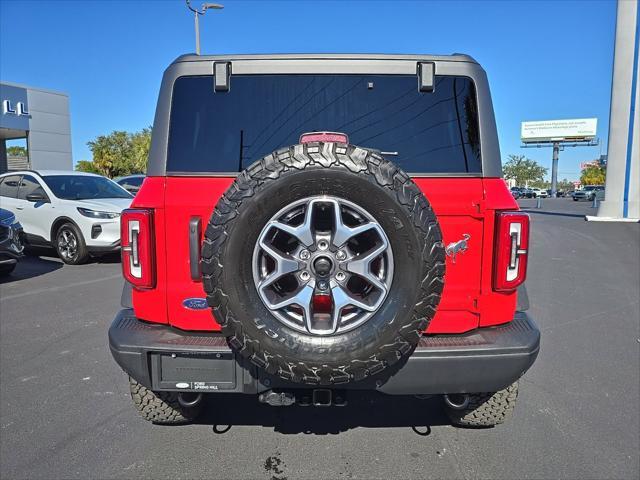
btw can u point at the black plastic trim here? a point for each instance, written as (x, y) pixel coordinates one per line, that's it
(113, 247)
(522, 304)
(36, 240)
(426, 76)
(483, 360)
(126, 297)
(195, 234)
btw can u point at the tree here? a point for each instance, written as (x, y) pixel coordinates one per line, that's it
(523, 170)
(87, 166)
(543, 184)
(565, 185)
(593, 175)
(16, 151)
(119, 153)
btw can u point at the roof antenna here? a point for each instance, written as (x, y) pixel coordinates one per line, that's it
(197, 13)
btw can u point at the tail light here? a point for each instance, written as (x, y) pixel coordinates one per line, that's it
(136, 239)
(511, 251)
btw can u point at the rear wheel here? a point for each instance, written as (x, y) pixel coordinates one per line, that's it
(483, 409)
(161, 407)
(70, 245)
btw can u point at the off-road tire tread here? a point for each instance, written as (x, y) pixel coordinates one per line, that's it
(486, 409)
(160, 407)
(358, 161)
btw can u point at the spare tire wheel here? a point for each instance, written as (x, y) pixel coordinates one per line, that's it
(323, 263)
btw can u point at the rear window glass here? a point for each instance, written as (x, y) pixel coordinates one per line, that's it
(434, 132)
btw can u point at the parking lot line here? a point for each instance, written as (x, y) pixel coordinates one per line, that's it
(61, 287)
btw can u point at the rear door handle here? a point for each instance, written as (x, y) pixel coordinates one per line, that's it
(195, 232)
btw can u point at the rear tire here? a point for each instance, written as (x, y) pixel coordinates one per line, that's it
(485, 409)
(161, 408)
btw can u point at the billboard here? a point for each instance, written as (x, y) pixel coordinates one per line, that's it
(576, 129)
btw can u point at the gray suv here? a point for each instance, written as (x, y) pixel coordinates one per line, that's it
(589, 193)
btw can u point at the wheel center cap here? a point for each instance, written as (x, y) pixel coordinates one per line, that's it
(322, 265)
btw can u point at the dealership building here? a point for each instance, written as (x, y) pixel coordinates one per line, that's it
(41, 118)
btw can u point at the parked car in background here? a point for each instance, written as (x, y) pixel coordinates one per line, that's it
(589, 193)
(538, 192)
(10, 241)
(76, 213)
(516, 192)
(526, 192)
(131, 183)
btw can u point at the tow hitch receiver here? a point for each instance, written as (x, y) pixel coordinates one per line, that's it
(317, 397)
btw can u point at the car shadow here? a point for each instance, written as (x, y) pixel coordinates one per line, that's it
(106, 258)
(31, 266)
(43, 251)
(364, 409)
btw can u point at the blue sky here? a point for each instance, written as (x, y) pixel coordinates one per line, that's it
(545, 59)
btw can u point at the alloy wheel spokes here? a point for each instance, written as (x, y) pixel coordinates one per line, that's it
(284, 264)
(361, 265)
(330, 272)
(67, 243)
(342, 232)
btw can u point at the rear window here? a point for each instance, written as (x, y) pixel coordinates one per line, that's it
(423, 132)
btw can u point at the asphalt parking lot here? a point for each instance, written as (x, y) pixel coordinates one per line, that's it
(65, 410)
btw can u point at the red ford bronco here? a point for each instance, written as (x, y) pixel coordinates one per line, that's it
(314, 224)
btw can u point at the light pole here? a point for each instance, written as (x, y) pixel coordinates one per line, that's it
(197, 13)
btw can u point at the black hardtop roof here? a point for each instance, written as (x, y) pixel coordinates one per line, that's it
(455, 57)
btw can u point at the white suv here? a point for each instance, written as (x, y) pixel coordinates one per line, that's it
(539, 192)
(76, 213)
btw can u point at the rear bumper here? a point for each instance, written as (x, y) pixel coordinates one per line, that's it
(483, 360)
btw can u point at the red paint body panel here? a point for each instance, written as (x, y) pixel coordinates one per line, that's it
(456, 203)
(463, 206)
(187, 197)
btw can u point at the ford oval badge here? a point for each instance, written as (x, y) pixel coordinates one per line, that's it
(195, 303)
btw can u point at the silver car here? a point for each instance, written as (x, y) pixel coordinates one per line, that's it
(589, 193)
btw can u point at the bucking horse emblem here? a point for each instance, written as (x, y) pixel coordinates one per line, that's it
(460, 246)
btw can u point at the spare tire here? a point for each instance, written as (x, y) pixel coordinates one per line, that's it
(323, 263)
